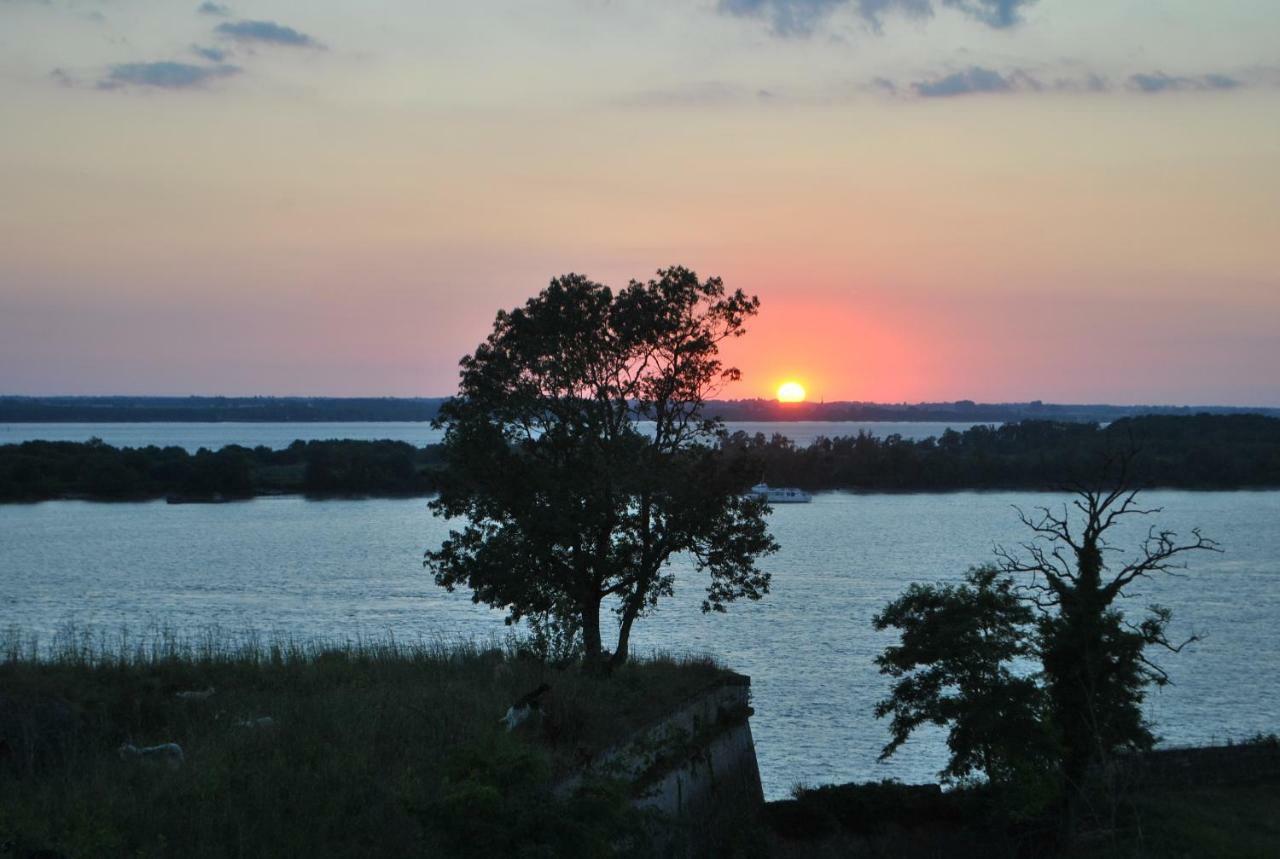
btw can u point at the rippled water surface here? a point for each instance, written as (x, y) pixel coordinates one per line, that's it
(193, 436)
(346, 568)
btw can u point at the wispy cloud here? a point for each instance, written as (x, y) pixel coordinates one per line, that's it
(1159, 82)
(268, 32)
(216, 9)
(164, 75)
(979, 80)
(993, 13)
(786, 17)
(884, 85)
(803, 17)
(974, 79)
(215, 55)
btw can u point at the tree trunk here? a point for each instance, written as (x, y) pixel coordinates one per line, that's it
(622, 652)
(591, 652)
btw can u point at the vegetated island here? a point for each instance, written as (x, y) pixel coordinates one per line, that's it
(59, 409)
(1186, 452)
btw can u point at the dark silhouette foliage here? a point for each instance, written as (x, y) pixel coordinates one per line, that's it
(1054, 600)
(1188, 452)
(567, 502)
(1192, 452)
(38, 470)
(215, 409)
(954, 666)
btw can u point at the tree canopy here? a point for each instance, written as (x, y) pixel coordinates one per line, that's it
(1050, 604)
(564, 500)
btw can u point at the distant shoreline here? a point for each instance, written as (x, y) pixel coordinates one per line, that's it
(1210, 452)
(80, 410)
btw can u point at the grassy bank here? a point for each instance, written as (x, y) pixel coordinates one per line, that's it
(1208, 811)
(358, 749)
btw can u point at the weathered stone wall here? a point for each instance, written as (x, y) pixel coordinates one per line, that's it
(695, 768)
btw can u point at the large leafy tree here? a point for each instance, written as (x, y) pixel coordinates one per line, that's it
(1053, 603)
(564, 499)
(956, 665)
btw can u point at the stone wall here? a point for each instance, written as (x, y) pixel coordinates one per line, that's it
(695, 769)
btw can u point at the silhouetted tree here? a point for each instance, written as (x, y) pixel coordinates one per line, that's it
(566, 501)
(1095, 666)
(954, 666)
(1054, 601)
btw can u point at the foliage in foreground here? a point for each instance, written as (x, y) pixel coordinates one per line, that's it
(955, 666)
(370, 749)
(894, 821)
(968, 654)
(563, 501)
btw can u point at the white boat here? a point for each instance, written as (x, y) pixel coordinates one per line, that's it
(781, 494)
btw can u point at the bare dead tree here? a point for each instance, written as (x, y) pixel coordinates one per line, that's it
(1095, 666)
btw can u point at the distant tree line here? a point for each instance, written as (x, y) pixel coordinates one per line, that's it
(336, 409)
(38, 470)
(960, 411)
(1192, 452)
(1188, 452)
(215, 409)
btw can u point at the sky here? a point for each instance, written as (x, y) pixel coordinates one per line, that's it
(997, 200)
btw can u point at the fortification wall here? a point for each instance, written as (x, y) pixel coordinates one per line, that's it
(695, 768)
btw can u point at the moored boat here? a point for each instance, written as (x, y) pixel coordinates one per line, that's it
(781, 494)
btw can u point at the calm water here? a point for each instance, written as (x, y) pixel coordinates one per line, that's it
(346, 568)
(193, 436)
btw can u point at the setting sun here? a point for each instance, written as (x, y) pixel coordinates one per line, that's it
(791, 392)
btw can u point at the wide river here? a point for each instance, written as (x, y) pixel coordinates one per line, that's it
(193, 436)
(333, 569)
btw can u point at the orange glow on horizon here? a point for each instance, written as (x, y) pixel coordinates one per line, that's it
(791, 392)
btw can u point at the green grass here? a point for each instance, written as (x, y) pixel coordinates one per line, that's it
(374, 748)
(1236, 821)
(1231, 822)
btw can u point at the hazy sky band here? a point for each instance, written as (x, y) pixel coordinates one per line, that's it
(1076, 202)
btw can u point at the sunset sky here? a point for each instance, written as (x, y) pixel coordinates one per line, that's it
(998, 200)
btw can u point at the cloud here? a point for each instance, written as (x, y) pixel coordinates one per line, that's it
(994, 13)
(974, 79)
(978, 79)
(217, 9)
(786, 17)
(885, 85)
(1220, 82)
(164, 75)
(1158, 82)
(215, 55)
(265, 31)
(873, 11)
(1093, 82)
(803, 17)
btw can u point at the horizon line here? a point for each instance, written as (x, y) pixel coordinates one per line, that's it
(774, 400)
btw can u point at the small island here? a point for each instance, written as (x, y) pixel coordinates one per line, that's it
(1200, 451)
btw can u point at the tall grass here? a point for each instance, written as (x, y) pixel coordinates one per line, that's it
(373, 747)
